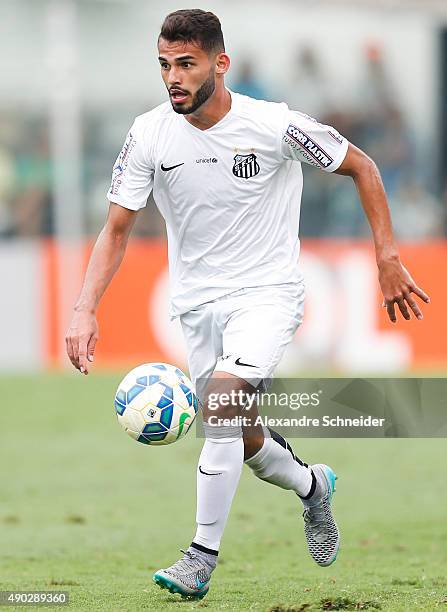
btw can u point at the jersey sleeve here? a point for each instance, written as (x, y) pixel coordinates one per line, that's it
(133, 173)
(304, 139)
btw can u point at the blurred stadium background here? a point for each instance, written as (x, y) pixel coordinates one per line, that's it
(76, 72)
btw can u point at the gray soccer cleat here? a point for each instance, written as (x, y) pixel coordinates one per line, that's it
(323, 537)
(189, 576)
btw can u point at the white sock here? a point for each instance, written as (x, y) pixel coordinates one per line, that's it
(276, 463)
(218, 473)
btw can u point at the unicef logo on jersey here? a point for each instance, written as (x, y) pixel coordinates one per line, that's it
(246, 166)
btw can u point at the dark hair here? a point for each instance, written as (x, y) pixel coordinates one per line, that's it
(194, 26)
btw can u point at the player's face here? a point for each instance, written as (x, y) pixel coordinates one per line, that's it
(188, 73)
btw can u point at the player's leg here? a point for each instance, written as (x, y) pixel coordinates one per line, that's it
(262, 325)
(220, 462)
(222, 452)
(218, 474)
(276, 463)
(203, 341)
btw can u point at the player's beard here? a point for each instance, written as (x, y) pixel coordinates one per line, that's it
(200, 97)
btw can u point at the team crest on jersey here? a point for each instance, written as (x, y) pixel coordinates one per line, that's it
(246, 166)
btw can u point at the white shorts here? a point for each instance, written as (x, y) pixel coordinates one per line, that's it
(243, 333)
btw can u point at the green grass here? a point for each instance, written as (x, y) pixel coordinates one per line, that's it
(84, 508)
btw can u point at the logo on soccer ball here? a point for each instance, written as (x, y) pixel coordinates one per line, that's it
(245, 166)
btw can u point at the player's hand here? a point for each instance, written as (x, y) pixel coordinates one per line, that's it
(397, 288)
(81, 340)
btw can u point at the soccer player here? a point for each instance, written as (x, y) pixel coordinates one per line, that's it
(226, 174)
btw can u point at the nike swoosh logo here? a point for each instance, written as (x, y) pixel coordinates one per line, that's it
(239, 362)
(209, 473)
(166, 169)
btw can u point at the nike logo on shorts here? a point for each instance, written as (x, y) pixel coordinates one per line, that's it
(167, 168)
(241, 363)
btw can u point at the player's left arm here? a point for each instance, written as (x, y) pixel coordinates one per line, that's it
(396, 283)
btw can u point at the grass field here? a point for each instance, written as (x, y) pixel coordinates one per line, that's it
(83, 508)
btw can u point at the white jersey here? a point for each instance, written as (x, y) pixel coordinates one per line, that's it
(230, 195)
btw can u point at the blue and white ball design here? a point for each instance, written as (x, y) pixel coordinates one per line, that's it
(156, 404)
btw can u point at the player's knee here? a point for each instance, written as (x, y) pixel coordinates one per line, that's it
(225, 396)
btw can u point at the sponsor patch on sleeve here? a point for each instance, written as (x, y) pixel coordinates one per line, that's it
(121, 163)
(308, 146)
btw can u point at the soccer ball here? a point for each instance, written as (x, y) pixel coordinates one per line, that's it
(156, 404)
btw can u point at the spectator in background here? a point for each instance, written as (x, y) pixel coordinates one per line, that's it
(247, 84)
(308, 88)
(417, 215)
(7, 182)
(382, 129)
(376, 90)
(32, 204)
(384, 133)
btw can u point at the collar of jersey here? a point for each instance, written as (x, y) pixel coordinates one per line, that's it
(221, 122)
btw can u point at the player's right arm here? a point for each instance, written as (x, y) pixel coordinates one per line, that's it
(132, 180)
(105, 260)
